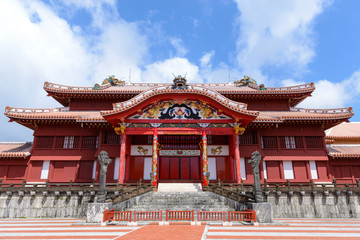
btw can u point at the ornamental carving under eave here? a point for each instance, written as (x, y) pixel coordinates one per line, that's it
(185, 110)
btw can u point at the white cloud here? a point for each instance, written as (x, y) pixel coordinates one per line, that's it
(161, 71)
(177, 43)
(329, 94)
(206, 58)
(37, 46)
(276, 33)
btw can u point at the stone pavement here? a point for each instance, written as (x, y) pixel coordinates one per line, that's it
(291, 229)
(73, 229)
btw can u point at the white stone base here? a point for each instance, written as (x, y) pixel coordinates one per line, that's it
(179, 187)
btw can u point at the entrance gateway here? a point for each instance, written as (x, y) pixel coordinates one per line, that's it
(187, 126)
(179, 158)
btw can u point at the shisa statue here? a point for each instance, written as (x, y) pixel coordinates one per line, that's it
(255, 162)
(104, 162)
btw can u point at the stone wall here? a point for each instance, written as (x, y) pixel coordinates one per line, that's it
(38, 205)
(65, 205)
(315, 205)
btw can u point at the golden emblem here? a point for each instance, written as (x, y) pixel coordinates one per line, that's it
(217, 150)
(142, 150)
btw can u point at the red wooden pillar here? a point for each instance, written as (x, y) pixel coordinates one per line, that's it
(237, 158)
(155, 159)
(204, 159)
(122, 158)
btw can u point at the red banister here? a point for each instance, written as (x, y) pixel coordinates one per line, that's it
(210, 216)
(111, 215)
(247, 215)
(180, 215)
(147, 216)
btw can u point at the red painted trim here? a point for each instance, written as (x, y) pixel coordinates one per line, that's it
(237, 158)
(180, 120)
(192, 131)
(122, 159)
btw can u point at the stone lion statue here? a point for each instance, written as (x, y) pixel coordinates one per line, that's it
(104, 161)
(255, 161)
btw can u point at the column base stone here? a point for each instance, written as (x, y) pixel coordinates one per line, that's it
(95, 212)
(264, 213)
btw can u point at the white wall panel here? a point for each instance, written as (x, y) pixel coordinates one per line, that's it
(116, 168)
(242, 168)
(264, 168)
(147, 168)
(212, 168)
(94, 170)
(313, 170)
(288, 170)
(45, 170)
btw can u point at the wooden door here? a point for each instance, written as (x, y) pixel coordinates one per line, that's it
(179, 168)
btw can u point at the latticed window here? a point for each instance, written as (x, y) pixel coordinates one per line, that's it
(67, 142)
(142, 139)
(217, 139)
(291, 142)
(268, 142)
(44, 142)
(314, 142)
(249, 137)
(110, 137)
(90, 142)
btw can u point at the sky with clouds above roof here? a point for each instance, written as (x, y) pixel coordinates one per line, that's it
(80, 42)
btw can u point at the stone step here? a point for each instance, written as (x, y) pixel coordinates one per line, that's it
(178, 201)
(179, 187)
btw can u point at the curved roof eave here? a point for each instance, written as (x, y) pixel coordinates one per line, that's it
(144, 96)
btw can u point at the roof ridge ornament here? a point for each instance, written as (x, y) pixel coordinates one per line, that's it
(179, 82)
(248, 81)
(113, 81)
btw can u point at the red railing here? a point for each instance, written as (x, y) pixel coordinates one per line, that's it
(180, 215)
(210, 216)
(111, 215)
(148, 216)
(248, 215)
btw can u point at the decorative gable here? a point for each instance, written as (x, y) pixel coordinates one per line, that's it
(180, 110)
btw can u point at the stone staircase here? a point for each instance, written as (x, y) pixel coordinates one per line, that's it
(180, 201)
(180, 197)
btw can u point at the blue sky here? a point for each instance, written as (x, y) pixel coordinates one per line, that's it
(277, 42)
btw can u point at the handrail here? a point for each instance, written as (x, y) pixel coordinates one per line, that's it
(111, 215)
(211, 216)
(179, 215)
(147, 216)
(247, 215)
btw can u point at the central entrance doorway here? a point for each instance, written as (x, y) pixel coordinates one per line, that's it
(179, 168)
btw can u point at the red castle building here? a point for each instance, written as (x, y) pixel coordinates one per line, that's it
(174, 132)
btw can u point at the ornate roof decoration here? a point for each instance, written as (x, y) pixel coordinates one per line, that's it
(126, 105)
(183, 110)
(15, 149)
(246, 81)
(113, 81)
(179, 82)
